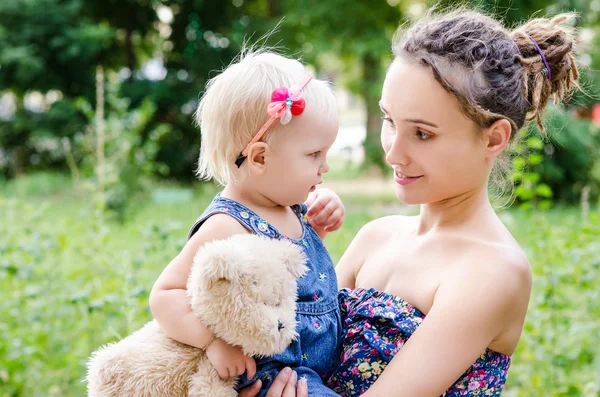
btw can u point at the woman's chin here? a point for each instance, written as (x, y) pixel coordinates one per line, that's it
(408, 199)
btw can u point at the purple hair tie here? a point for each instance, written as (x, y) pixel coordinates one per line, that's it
(542, 55)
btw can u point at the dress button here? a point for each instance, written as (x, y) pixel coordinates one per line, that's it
(262, 227)
(244, 215)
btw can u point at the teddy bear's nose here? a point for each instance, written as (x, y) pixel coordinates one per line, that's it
(280, 325)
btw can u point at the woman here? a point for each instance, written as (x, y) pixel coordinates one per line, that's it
(435, 304)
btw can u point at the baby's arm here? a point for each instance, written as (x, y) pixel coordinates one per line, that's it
(171, 308)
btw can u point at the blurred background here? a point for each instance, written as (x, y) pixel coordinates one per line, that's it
(98, 149)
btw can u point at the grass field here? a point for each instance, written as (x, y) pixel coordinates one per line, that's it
(71, 283)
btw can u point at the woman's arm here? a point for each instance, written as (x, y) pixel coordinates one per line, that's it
(470, 310)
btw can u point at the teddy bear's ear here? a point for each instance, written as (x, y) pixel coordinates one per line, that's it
(295, 261)
(219, 268)
(212, 263)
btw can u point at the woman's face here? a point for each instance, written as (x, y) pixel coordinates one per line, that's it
(436, 152)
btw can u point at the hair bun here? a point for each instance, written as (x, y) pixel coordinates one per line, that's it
(555, 42)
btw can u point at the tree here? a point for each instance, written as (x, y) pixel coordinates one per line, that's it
(44, 45)
(360, 34)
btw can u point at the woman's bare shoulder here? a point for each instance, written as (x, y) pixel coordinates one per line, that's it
(501, 262)
(389, 226)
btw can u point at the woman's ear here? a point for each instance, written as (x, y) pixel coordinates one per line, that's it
(497, 137)
(258, 154)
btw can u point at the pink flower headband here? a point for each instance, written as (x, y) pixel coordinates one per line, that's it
(285, 104)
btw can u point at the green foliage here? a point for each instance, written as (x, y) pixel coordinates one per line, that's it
(68, 286)
(127, 157)
(45, 45)
(558, 354)
(39, 184)
(573, 157)
(559, 166)
(529, 190)
(49, 44)
(55, 45)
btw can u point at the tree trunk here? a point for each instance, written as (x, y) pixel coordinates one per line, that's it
(20, 153)
(129, 52)
(273, 8)
(100, 141)
(371, 90)
(19, 164)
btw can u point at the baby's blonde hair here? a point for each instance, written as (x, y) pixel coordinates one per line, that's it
(234, 107)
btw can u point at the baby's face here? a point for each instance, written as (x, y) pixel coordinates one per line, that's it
(298, 158)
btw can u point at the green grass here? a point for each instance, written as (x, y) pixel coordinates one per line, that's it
(35, 185)
(70, 284)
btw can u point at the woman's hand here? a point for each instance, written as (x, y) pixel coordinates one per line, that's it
(284, 385)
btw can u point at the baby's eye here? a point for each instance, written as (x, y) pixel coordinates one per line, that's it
(315, 154)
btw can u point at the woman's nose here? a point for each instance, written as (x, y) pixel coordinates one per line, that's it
(396, 153)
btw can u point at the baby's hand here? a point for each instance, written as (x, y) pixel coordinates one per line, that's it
(325, 211)
(230, 360)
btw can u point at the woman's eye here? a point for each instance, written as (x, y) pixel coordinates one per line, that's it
(389, 121)
(423, 135)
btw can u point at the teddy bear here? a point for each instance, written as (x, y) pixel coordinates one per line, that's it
(244, 289)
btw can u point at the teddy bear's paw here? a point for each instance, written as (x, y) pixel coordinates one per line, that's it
(211, 387)
(214, 392)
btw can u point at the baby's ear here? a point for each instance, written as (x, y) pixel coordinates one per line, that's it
(258, 154)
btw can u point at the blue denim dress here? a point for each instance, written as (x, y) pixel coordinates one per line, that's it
(314, 352)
